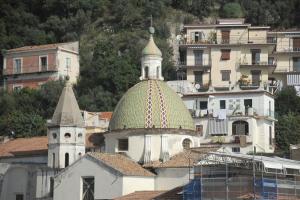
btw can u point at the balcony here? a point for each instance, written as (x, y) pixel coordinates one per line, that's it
(270, 64)
(32, 69)
(195, 63)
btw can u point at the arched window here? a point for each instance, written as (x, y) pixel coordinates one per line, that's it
(66, 159)
(80, 135)
(54, 135)
(67, 135)
(240, 128)
(53, 160)
(146, 72)
(186, 143)
(157, 72)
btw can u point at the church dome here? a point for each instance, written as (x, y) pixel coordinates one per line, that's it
(151, 104)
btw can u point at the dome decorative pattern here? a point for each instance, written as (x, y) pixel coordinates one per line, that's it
(151, 104)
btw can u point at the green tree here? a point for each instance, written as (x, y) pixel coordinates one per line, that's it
(232, 10)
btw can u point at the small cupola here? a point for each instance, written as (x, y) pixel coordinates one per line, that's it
(151, 60)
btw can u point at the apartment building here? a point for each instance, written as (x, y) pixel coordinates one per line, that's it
(287, 56)
(31, 66)
(230, 64)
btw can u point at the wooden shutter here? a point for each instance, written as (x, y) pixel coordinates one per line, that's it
(225, 36)
(225, 54)
(296, 44)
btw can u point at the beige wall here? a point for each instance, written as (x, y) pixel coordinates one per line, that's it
(258, 36)
(237, 35)
(73, 71)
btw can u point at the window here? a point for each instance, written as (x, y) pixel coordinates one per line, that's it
(255, 56)
(66, 159)
(199, 129)
(43, 63)
(236, 149)
(198, 77)
(88, 188)
(296, 64)
(53, 160)
(225, 75)
(296, 44)
(67, 135)
(248, 103)
(186, 143)
(270, 136)
(17, 88)
(157, 72)
(225, 54)
(17, 65)
(51, 186)
(54, 135)
(203, 105)
(123, 144)
(271, 61)
(240, 128)
(255, 77)
(68, 63)
(146, 72)
(198, 55)
(225, 36)
(222, 104)
(19, 196)
(80, 135)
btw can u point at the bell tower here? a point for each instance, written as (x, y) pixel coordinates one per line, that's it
(151, 60)
(66, 132)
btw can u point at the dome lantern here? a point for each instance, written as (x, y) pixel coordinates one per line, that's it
(151, 60)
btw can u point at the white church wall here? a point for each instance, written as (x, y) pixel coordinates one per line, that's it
(168, 178)
(41, 159)
(108, 183)
(136, 144)
(15, 182)
(43, 176)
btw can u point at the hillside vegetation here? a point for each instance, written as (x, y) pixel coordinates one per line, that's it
(112, 34)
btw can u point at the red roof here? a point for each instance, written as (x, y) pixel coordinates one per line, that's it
(24, 146)
(38, 145)
(105, 115)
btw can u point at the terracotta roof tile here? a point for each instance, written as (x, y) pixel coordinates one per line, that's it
(105, 115)
(138, 195)
(24, 146)
(121, 163)
(36, 47)
(183, 159)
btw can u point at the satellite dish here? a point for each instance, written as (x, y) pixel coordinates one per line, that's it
(197, 86)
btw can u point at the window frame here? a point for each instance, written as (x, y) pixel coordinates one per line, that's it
(183, 143)
(17, 87)
(201, 106)
(236, 149)
(235, 130)
(123, 149)
(14, 65)
(225, 54)
(40, 63)
(222, 104)
(83, 182)
(199, 129)
(225, 75)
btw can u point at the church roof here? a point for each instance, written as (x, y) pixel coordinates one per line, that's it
(187, 158)
(121, 163)
(67, 112)
(137, 195)
(151, 49)
(31, 146)
(151, 104)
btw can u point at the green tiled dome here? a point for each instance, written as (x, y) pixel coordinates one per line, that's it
(151, 104)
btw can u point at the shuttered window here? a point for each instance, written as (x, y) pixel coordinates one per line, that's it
(225, 75)
(225, 37)
(296, 44)
(225, 54)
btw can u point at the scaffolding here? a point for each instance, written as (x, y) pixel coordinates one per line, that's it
(236, 176)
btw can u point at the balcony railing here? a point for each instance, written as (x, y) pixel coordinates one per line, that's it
(195, 63)
(258, 64)
(288, 49)
(30, 70)
(231, 40)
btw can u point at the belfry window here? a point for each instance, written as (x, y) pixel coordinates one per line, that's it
(157, 72)
(88, 188)
(66, 159)
(146, 72)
